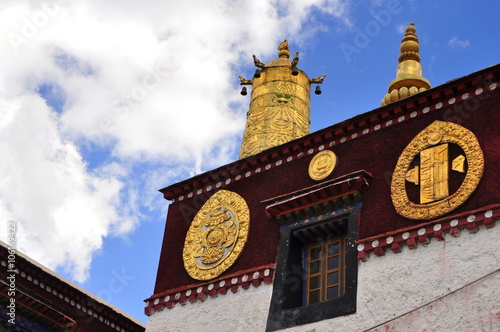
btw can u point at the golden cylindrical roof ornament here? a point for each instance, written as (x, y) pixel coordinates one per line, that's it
(279, 104)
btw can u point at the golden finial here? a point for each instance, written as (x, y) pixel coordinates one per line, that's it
(409, 79)
(284, 51)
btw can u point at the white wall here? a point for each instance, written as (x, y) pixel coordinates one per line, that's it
(243, 311)
(451, 285)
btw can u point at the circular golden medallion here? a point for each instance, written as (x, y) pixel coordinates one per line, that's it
(216, 236)
(322, 165)
(425, 163)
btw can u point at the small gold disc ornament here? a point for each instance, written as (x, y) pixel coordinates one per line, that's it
(430, 149)
(216, 236)
(322, 165)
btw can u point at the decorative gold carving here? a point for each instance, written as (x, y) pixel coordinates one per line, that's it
(433, 173)
(458, 164)
(412, 175)
(318, 79)
(434, 177)
(244, 81)
(217, 235)
(257, 62)
(434, 138)
(322, 165)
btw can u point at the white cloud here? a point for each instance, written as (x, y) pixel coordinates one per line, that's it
(457, 43)
(63, 211)
(148, 82)
(401, 29)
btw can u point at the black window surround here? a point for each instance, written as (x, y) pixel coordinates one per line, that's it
(287, 307)
(318, 213)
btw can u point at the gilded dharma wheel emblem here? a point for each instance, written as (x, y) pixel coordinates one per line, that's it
(322, 165)
(430, 163)
(216, 236)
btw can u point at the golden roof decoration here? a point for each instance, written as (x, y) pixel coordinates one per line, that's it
(279, 109)
(409, 79)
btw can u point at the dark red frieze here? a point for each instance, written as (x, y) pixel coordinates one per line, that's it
(422, 234)
(211, 289)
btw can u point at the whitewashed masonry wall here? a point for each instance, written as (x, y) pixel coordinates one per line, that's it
(451, 285)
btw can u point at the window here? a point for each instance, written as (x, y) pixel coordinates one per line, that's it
(316, 273)
(317, 265)
(325, 268)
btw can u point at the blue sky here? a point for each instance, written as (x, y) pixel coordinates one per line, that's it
(102, 104)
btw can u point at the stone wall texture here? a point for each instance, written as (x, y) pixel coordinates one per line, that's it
(243, 311)
(451, 285)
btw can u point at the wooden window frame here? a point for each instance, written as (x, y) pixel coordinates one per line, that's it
(324, 270)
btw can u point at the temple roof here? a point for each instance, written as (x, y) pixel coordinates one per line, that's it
(41, 290)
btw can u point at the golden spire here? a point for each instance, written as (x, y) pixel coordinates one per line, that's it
(279, 104)
(409, 80)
